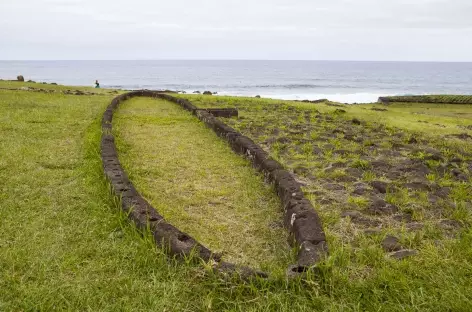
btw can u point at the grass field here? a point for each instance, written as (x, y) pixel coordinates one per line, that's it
(65, 246)
(199, 184)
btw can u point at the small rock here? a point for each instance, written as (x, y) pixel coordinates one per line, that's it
(355, 172)
(380, 186)
(417, 186)
(391, 243)
(360, 189)
(381, 207)
(405, 217)
(401, 254)
(433, 199)
(356, 121)
(443, 192)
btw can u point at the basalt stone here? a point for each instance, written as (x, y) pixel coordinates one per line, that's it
(381, 207)
(404, 217)
(356, 121)
(357, 218)
(418, 185)
(379, 186)
(310, 253)
(355, 172)
(401, 254)
(391, 243)
(360, 189)
(307, 227)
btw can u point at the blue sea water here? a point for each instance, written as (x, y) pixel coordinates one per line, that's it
(344, 81)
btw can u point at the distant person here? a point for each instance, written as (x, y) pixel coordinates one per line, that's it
(97, 85)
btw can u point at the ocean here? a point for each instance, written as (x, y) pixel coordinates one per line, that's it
(343, 81)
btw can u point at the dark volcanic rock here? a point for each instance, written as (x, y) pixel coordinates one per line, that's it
(355, 172)
(391, 243)
(380, 186)
(404, 217)
(360, 189)
(418, 185)
(381, 207)
(462, 136)
(358, 218)
(356, 121)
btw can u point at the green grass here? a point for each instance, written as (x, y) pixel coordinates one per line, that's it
(65, 246)
(199, 184)
(442, 98)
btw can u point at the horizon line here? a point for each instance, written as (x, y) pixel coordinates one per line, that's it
(226, 60)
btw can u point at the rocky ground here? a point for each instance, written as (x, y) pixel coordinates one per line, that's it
(368, 179)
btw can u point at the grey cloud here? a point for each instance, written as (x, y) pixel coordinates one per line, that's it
(302, 29)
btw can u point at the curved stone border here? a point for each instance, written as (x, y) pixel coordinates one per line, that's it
(300, 216)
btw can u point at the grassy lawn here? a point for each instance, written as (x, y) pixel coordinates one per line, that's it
(65, 246)
(199, 184)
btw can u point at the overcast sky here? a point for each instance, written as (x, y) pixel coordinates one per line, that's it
(414, 30)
